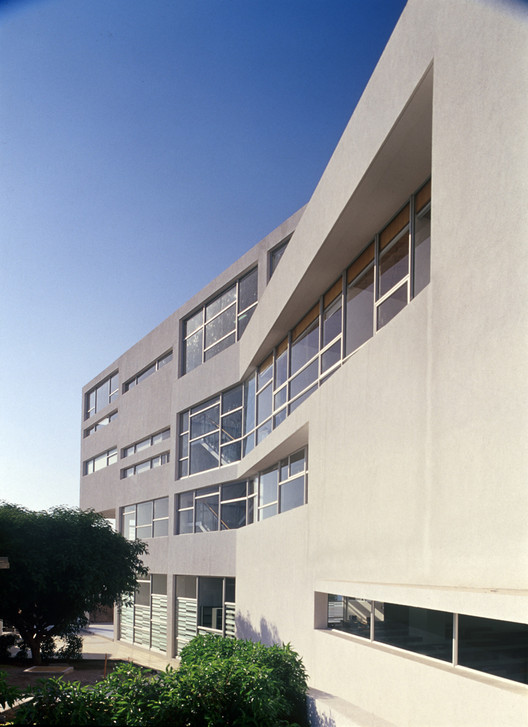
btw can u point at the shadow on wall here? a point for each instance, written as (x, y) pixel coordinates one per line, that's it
(315, 718)
(266, 633)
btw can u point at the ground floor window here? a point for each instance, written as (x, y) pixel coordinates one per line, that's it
(204, 604)
(488, 645)
(144, 622)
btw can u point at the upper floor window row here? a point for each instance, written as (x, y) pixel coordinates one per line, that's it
(101, 395)
(101, 424)
(148, 464)
(219, 323)
(276, 254)
(378, 284)
(151, 369)
(145, 443)
(235, 504)
(105, 459)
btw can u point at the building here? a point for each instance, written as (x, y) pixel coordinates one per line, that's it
(327, 445)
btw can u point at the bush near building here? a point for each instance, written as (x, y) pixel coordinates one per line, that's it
(220, 682)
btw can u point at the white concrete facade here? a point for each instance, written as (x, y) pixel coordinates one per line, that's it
(416, 447)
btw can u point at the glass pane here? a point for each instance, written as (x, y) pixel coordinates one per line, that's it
(164, 360)
(185, 522)
(279, 418)
(280, 397)
(161, 507)
(186, 500)
(392, 306)
(421, 630)
(247, 290)
(393, 265)
(184, 421)
(249, 404)
(161, 528)
(144, 531)
(302, 398)
(264, 404)
(244, 318)
(232, 426)
(275, 256)
(193, 323)
(352, 615)
(331, 356)
(192, 351)
(264, 375)
(231, 399)
(156, 462)
(233, 515)
(291, 494)
(184, 468)
(422, 251)
(249, 443)
(268, 486)
(263, 431)
(281, 368)
(129, 525)
(304, 379)
(230, 453)
(284, 470)
(305, 347)
(142, 467)
(144, 513)
(332, 321)
(102, 395)
(100, 462)
(112, 456)
(267, 512)
(143, 594)
(143, 444)
(129, 451)
(220, 326)
(148, 372)
(230, 590)
(221, 346)
(359, 314)
(297, 463)
(210, 604)
(233, 490)
(218, 304)
(186, 586)
(204, 453)
(493, 646)
(206, 421)
(159, 584)
(206, 514)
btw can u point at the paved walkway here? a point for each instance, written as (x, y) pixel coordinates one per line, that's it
(98, 642)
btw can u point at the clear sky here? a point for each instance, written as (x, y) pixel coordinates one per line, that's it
(144, 146)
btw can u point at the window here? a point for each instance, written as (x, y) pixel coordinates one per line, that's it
(487, 645)
(370, 292)
(102, 395)
(144, 622)
(233, 505)
(276, 254)
(105, 459)
(145, 373)
(219, 323)
(203, 605)
(145, 465)
(144, 443)
(146, 519)
(210, 433)
(101, 424)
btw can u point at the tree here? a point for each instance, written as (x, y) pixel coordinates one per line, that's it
(63, 563)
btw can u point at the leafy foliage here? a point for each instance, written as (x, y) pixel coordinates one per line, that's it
(220, 683)
(63, 563)
(8, 694)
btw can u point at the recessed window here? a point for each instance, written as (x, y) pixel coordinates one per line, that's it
(148, 464)
(105, 459)
(101, 424)
(146, 519)
(219, 323)
(145, 443)
(276, 254)
(100, 396)
(148, 371)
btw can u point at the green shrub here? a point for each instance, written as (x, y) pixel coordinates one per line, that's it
(8, 695)
(220, 683)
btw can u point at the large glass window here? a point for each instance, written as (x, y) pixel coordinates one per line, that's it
(148, 519)
(103, 394)
(148, 464)
(378, 285)
(219, 323)
(488, 645)
(105, 459)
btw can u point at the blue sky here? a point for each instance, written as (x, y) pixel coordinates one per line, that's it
(144, 146)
